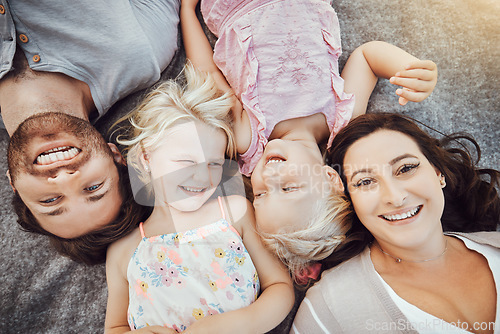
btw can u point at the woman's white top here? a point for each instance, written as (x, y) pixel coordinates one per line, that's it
(426, 323)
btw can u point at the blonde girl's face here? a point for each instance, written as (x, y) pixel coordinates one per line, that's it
(287, 183)
(395, 191)
(187, 165)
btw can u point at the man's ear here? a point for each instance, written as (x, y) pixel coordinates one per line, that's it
(117, 156)
(7, 173)
(333, 177)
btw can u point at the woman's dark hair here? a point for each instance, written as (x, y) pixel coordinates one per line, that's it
(471, 199)
(90, 248)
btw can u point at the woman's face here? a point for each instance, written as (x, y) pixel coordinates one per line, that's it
(187, 166)
(287, 183)
(395, 191)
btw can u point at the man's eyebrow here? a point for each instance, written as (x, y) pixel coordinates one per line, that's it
(55, 212)
(95, 198)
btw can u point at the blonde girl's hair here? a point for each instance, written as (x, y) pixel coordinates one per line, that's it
(324, 233)
(171, 102)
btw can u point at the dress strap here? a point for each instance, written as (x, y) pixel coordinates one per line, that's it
(221, 207)
(141, 228)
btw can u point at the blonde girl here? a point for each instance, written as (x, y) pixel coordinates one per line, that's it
(196, 264)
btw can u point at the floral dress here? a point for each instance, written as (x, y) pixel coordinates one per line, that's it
(178, 278)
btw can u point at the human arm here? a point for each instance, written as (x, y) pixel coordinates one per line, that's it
(198, 48)
(116, 311)
(277, 296)
(377, 59)
(199, 52)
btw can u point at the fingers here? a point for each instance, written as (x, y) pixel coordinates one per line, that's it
(425, 70)
(406, 95)
(417, 80)
(419, 73)
(402, 101)
(416, 84)
(423, 64)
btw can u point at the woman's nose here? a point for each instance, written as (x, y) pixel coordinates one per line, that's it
(394, 193)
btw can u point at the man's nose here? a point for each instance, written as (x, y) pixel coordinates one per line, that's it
(63, 175)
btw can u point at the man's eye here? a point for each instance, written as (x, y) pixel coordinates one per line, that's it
(50, 200)
(93, 187)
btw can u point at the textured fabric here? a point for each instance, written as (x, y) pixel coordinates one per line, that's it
(281, 59)
(178, 278)
(116, 47)
(427, 323)
(350, 298)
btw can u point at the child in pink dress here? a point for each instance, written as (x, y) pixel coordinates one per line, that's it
(280, 58)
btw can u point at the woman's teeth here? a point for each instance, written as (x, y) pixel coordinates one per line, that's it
(57, 154)
(405, 215)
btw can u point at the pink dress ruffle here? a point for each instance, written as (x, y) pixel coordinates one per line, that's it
(281, 60)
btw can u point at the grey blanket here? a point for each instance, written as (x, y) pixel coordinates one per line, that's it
(42, 292)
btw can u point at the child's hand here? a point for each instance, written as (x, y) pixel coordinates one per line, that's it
(417, 80)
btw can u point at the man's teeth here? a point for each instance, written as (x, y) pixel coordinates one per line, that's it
(405, 215)
(196, 190)
(57, 154)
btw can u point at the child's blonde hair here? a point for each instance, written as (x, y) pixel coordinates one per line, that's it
(171, 103)
(324, 233)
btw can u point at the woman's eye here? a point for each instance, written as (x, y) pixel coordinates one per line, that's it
(93, 187)
(50, 200)
(407, 168)
(258, 195)
(288, 189)
(363, 183)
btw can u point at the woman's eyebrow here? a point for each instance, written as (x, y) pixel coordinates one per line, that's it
(392, 162)
(364, 170)
(401, 157)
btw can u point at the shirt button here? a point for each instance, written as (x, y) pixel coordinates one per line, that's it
(23, 38)
(2, 9)
(36, 58)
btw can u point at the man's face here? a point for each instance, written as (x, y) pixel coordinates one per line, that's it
(65, 173)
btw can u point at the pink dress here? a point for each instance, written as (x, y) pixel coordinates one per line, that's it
(281, 59)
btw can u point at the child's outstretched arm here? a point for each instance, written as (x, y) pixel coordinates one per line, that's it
(277, 295)
(377, 59)
(200, 53)
(198, 48)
